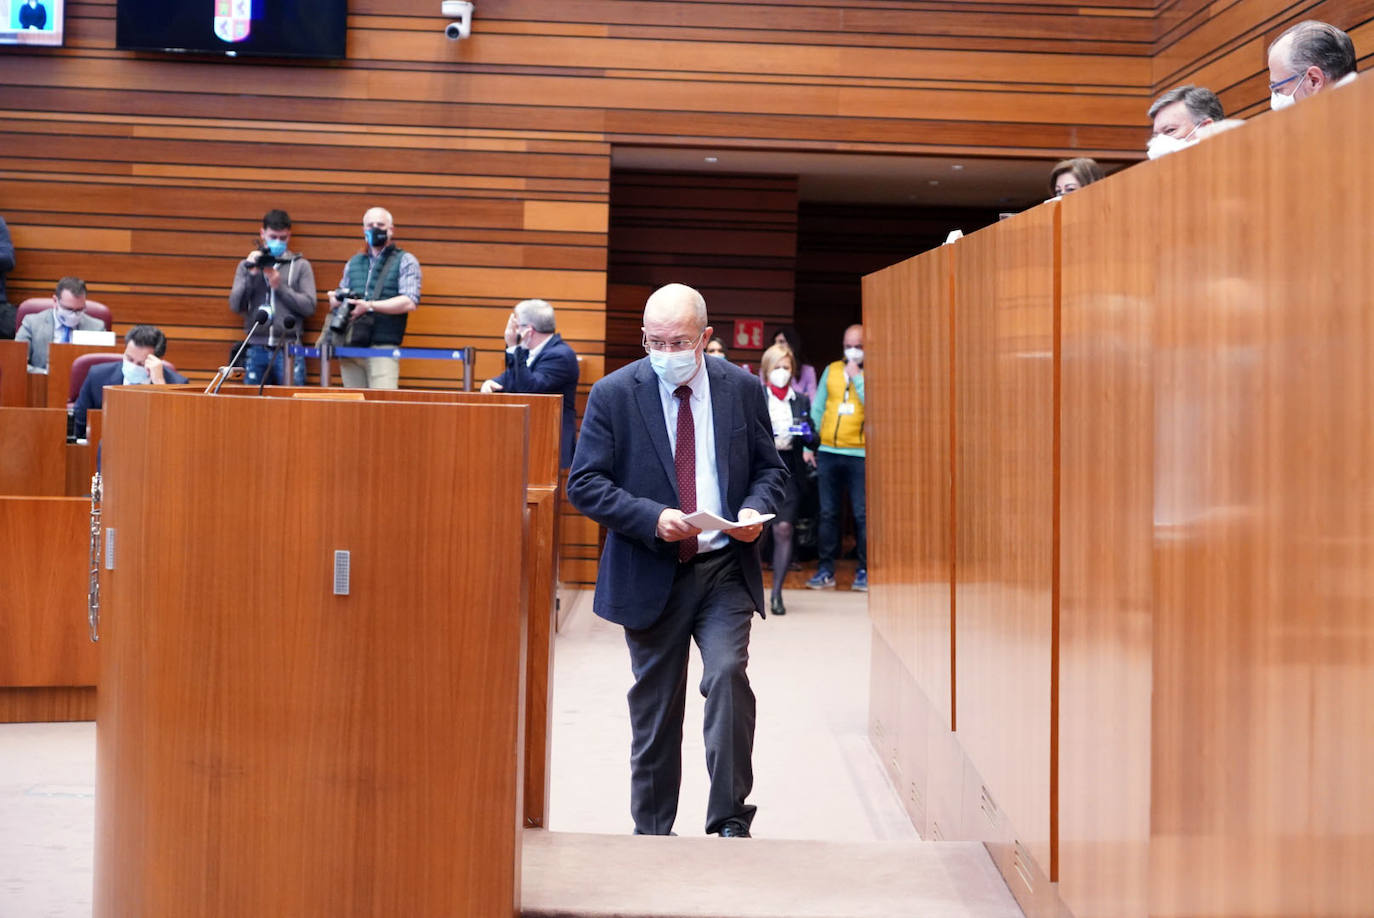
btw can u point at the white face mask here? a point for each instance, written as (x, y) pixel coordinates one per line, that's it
(68, 317)
(855, 354)
(780, 376)
(674, 368)
(1163, 144)
(1278, 100)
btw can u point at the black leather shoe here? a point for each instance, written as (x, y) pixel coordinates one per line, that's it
(777, 608)
(733, 828)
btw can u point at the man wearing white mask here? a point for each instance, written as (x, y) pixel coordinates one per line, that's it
(838, 415)
(68, 314)
(144, 346)
(1180, 118)
(670, 434)
(1306, 59)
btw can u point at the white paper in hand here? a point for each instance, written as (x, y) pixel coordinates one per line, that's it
(704, 521)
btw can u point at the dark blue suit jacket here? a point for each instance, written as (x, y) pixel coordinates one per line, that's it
(554, 370)
(622, 477)
(92, 394)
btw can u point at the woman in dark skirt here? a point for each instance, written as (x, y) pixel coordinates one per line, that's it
(790, 412)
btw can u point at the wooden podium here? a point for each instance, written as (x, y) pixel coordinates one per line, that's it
(265, 746)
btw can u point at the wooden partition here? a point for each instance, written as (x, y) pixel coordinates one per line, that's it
(543, 507)
(33, 459)
(1004, 321)
(1163, 469)
(267, 746)
(14, 384)
(47, 661)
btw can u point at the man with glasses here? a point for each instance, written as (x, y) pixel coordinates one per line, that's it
(1306, 59)
(670, 434)
(68, 314)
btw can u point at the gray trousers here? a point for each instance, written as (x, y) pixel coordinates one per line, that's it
(709, 603)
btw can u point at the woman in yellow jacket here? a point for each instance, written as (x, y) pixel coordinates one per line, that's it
(838, 413)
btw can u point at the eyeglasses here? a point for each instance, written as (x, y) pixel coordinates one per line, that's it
(1274, 87)
(681, 344)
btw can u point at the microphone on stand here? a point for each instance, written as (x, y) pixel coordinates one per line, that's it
(263, 315)
(288, 324)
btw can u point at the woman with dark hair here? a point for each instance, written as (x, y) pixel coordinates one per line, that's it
(804, 379)
(1073, 174)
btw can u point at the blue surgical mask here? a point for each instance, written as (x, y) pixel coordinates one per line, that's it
(135, 375)
(674, 368)
(277, 247)
(375, 236)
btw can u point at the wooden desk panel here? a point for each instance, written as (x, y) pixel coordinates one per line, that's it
(44, 640)
(33, 459)
(14, 382)
(1106, 594)
(311, 753)
(1264, 523)
(1004, 369)
(909, 475)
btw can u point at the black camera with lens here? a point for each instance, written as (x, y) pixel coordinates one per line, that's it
(338, 316)
(266, 259)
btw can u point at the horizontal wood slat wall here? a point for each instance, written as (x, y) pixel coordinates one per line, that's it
(733, 237)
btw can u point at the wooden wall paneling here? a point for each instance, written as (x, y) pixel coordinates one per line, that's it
(33, 460)
(44, 641)
(1004, 366)
(908, 336)
(361, 752)
(733, 237)
(1109, 248)
(1262, 658)
(14, 358)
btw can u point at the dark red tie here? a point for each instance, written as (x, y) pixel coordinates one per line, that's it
(685, 463)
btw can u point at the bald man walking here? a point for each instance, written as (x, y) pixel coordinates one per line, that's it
(670, 434)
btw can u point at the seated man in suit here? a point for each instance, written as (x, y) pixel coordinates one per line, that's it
(144, 346)
(670, 434)
(539, 360)
(68, 314)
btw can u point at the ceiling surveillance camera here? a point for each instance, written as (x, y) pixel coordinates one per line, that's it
(461, 11)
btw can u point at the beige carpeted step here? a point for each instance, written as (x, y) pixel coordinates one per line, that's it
(569, 875)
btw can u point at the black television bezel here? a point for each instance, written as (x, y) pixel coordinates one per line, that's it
(230, 53)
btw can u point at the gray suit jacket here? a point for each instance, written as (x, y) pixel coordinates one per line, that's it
(38, 329)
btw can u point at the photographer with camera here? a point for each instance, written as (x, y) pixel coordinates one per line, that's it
(379, 288)
(274, 276)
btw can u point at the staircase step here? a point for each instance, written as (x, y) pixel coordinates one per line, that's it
(573, 875)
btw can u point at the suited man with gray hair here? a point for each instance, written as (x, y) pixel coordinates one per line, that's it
(539, 360)
(1306, 59)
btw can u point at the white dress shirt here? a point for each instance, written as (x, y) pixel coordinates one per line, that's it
(708, 482)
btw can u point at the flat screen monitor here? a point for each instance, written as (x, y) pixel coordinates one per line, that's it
(31, 22)
(236, 28)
